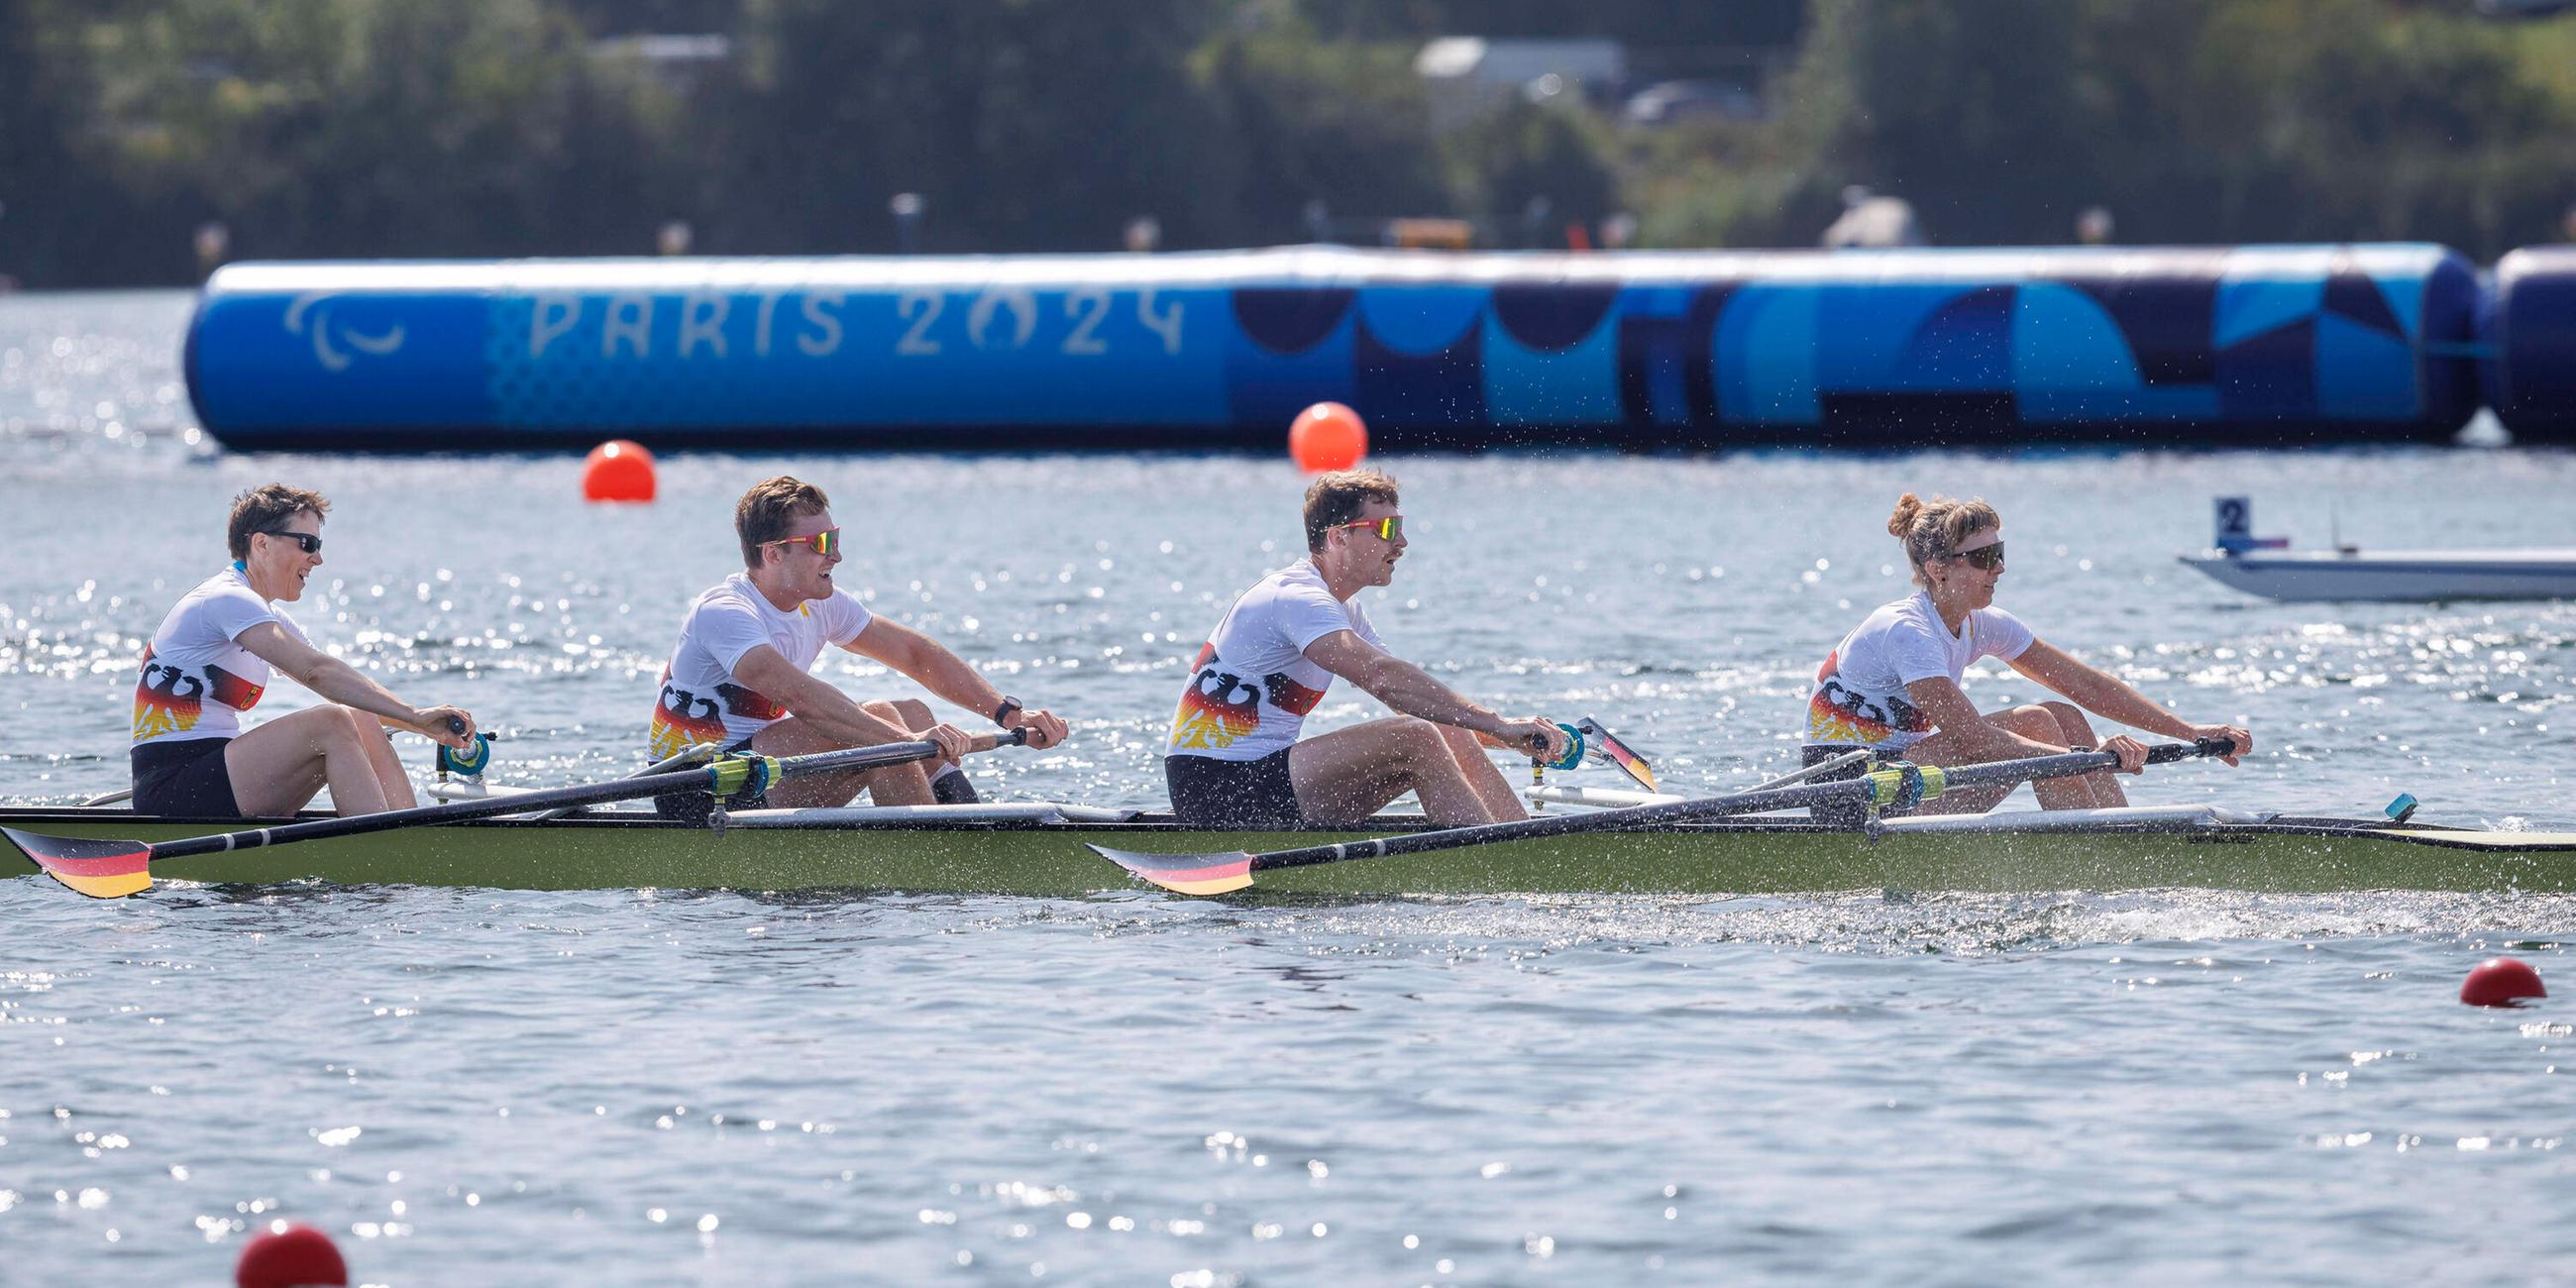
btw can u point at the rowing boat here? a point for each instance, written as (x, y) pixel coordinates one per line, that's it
(1040, 849)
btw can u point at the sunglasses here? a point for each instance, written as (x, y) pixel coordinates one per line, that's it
(1986, 557)
(825, 543)
(1387, 529)
(310, 543)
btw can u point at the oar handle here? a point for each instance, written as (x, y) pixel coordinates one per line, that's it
(2165, 753)
(456, 725)
(1006, 738)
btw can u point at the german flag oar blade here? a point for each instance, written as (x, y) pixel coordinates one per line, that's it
(99, 869)
(1185, 873)
(1620, 754)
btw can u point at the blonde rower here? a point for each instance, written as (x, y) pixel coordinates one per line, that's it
(1892, 685)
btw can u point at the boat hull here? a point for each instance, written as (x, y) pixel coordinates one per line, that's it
(1999, 853)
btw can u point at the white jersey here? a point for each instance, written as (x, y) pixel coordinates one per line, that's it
(701, 700)
(196, 680)
(1860, 698)
(1253, 686)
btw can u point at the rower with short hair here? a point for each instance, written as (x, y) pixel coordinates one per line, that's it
(1892, 684)
(211, 659)
(1233, 758)
(740, 674)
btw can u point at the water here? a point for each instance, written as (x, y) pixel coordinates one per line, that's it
(713, 1087)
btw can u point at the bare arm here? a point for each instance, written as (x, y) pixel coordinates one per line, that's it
(1941, 701)
(931, 665)
(2102, 694)
(765, 671)
(1411, 690)
(928, 663)
(339, 682)
(2112, 698)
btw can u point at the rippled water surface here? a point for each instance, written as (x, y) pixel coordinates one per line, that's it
(711, 1087)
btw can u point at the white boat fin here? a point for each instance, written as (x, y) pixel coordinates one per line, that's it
(1595, 797)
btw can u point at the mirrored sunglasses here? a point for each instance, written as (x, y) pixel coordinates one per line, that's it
(825, 543)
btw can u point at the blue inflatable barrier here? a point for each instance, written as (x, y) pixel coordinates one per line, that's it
(2529, 328)
(1638, 350)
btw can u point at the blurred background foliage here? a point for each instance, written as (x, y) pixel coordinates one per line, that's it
(333, 128)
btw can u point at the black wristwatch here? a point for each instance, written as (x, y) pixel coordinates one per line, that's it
(1002, 713)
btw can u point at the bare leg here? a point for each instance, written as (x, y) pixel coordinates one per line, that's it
(2076, 731)
(914, 714)
(388, 764)
(1482, 776)
(892, 785)
(278, 767)
(2037, 723)
(1349, 774)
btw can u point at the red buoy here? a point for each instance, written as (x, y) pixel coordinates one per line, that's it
(618, 470)
(2499, 981)
(285, 1256)
(1327, 436)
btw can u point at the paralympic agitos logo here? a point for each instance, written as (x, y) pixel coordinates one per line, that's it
(310, 314)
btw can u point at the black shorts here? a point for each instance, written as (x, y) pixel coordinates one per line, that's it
(185, 779)
(1842, 813)
(1207, 792)
(697, 807)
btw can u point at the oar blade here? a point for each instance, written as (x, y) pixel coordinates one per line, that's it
(99, 869)
(1620, 754)
(1185, 873)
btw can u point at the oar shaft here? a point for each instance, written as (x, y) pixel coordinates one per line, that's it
(1753, 802)
(679, 780)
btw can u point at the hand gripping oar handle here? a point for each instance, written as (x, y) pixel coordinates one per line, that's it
(2164, 753)
(1219, 873)
(108, 869)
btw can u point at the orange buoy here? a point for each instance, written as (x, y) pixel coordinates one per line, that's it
(1327, 436)
(289, 1254)
(2499, 981)
(618, 471)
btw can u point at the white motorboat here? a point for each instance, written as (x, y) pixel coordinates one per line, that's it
(2263, 566)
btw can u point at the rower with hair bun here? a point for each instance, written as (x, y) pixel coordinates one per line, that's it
(1892, 685)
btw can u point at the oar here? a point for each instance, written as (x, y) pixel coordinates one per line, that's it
(1601, 744)
(1220, 873)
(113, 869)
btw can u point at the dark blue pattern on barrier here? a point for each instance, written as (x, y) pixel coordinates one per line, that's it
(1637, 351)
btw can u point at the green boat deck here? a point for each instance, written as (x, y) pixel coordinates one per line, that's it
(1023, 857)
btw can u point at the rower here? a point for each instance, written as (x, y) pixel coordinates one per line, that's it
(211, 660)
(1234, 759)
(740, 675)
(1892, 685)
